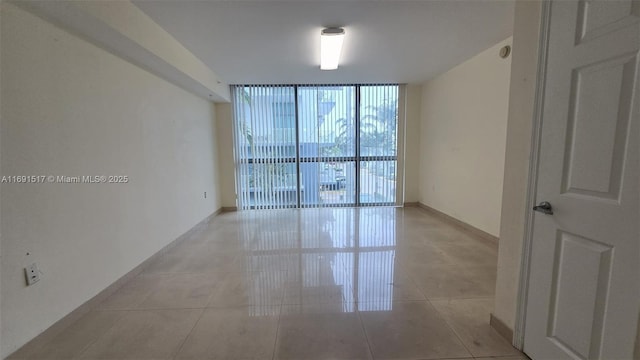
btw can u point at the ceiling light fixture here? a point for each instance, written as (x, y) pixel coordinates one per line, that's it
(330, 47)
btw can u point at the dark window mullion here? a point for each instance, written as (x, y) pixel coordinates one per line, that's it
(357, 142)
(379, 158)
(268, 161)
(297, 148)
(327, 159)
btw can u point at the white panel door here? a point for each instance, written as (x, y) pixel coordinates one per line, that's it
(584, 294)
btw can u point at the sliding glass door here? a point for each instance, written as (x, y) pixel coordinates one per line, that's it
(316, 146)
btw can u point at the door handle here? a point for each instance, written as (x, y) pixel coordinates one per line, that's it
(544, 207)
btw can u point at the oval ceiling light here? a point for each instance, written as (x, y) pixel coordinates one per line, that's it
(330, 47)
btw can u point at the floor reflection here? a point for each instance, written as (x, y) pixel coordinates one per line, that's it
(367, 283)
(329, 255)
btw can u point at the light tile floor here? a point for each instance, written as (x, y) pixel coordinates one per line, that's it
(369, 283)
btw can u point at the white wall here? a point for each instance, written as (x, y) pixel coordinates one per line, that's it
(519, 129)
(462, 144)
(412, 142)
(71, 108)
(1, 11)
(224, 129)
(128, 32)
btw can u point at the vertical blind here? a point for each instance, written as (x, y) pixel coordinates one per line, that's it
(265, 140)
(327, 146)
(315, 146)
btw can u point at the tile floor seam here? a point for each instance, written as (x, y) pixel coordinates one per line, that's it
(448, 358)
(364, 331)
(140, 302)
(415, 284)
(122, 286)
(446, 321)
(460, 298)
(77, 356)
(275, 340)
(429, 358)
(212, 272)
(184, 341)
(213, 290)
(104, 333)
(392, 301)
(160, 308)
(422, 358)
(409, 274)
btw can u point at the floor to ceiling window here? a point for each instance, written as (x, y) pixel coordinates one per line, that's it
(316, 146)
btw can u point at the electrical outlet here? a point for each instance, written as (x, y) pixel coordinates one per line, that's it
(205, 194)
(32, 273)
